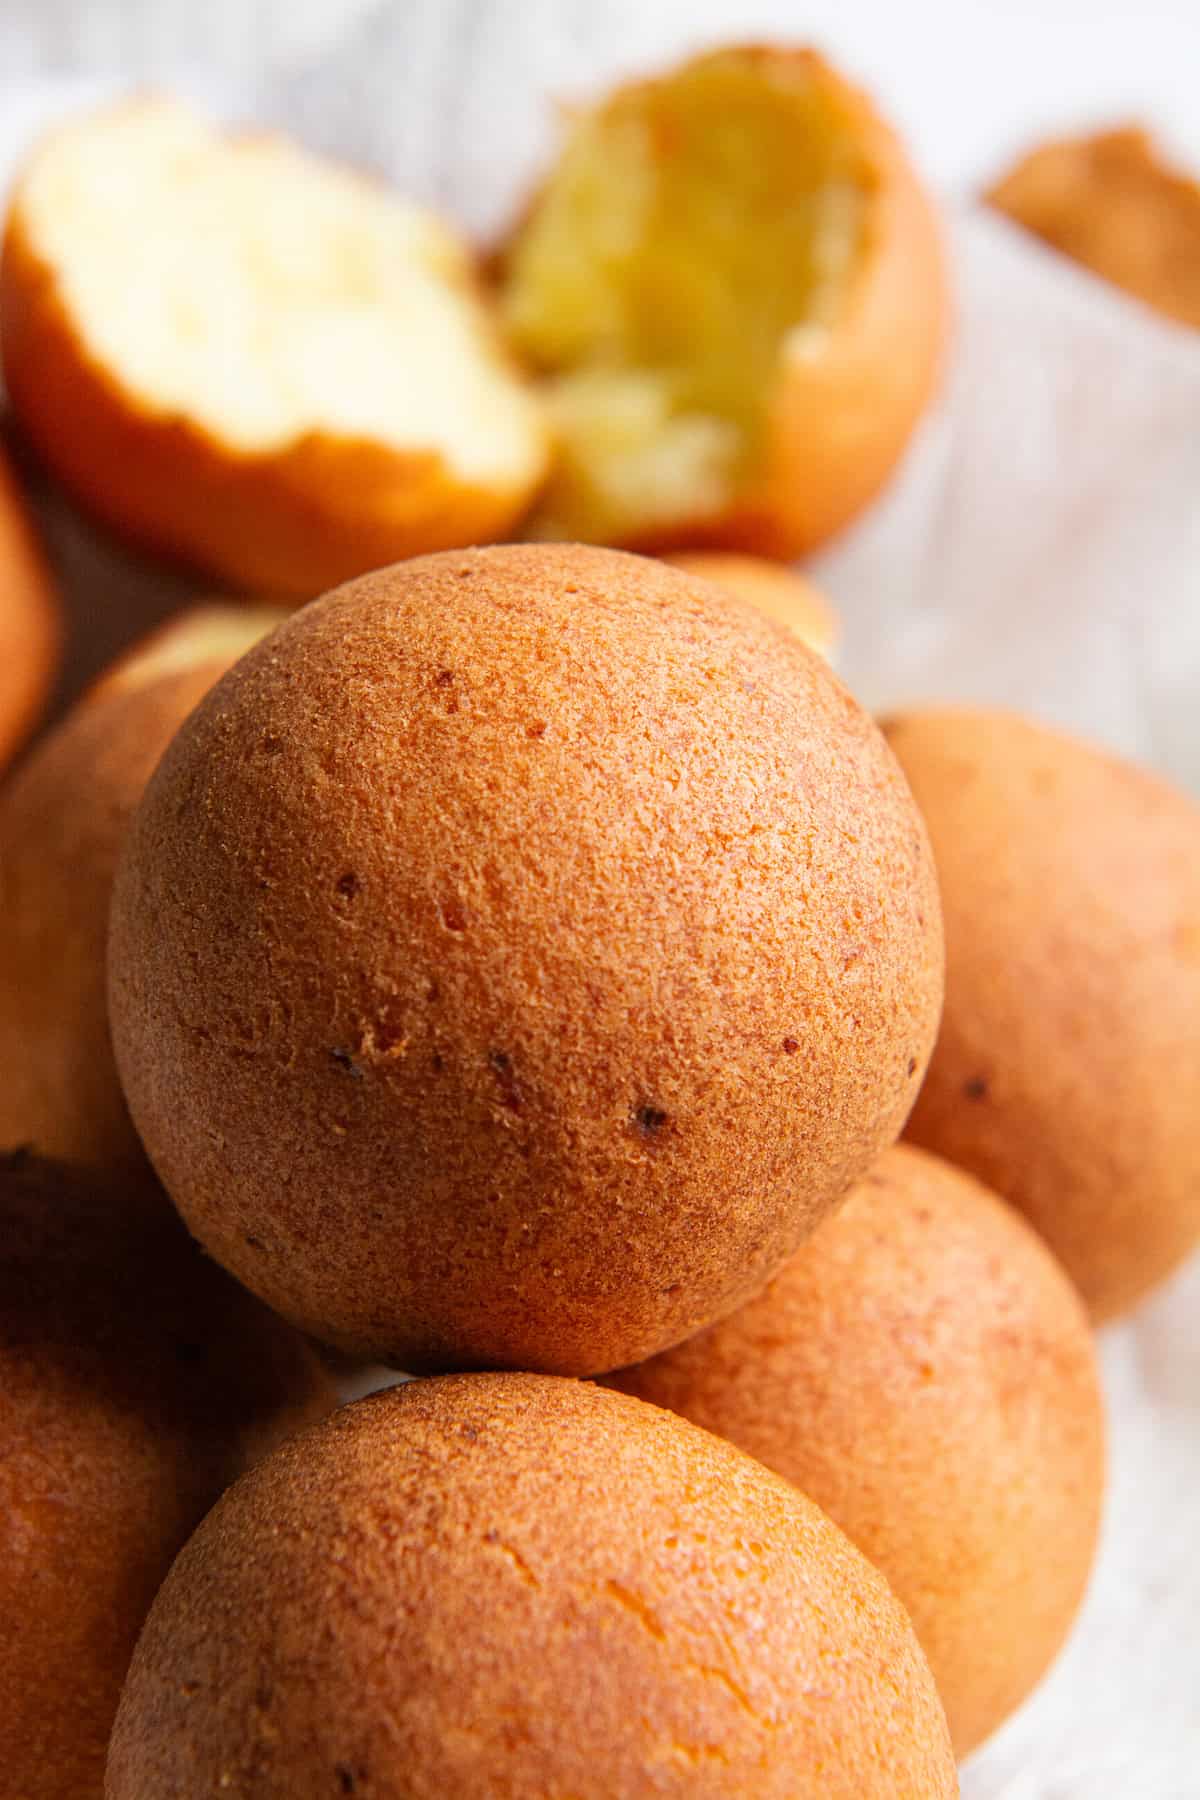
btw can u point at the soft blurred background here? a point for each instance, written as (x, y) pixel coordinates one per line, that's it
(1041, 546)
(970, 83)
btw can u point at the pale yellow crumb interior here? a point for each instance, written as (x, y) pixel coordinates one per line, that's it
(691, 226)
(266, 294)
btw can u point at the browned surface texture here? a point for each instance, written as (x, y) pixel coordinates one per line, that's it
(136, 1381)
(1067, 1073)
(517, 1586)
(924, 1371)
(63, 817)
(1113, 203)
(517, 955)
(29, 622)
(783, 594)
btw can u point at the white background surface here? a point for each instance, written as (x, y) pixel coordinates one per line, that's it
(969, 80)
(1042, 546)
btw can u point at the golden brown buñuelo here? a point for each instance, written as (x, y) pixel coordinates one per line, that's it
(923, 1369)
(288, 515)
(521, 1585)
(1067, 1072)
(515, 957)
(844, 393)
(1114, 203)
(63, 817)
(29, 622)
(136, 1381)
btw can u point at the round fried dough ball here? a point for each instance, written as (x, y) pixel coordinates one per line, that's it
(30, 626)
(516, 956)
(519, 1585)
(136, 1382)
(924, 1370)
(1067, 1073)
(62, 820)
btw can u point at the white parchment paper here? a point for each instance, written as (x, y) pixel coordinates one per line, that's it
(1040, 548)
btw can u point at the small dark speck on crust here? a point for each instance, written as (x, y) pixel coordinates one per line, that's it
(510, 1091)
(346, 1780)
(649, 1120)
(445, 677)
(344, 1060)
(790, 1046)
(912, 1066)
(253, 1242)
(348, 885)
(976, 1088)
